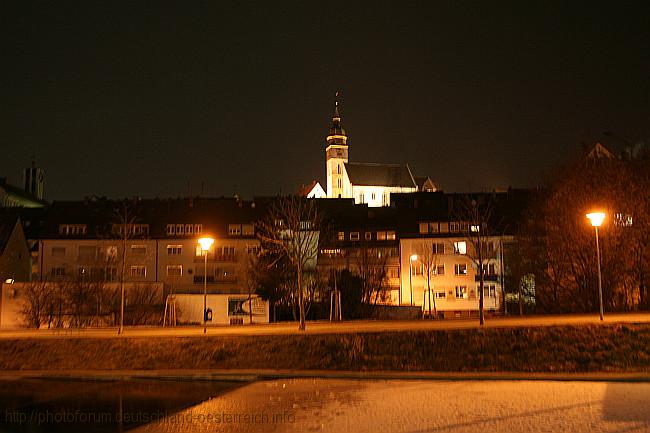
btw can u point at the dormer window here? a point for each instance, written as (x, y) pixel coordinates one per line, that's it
(72, 229)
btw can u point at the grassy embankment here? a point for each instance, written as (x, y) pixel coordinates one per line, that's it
(610, 348)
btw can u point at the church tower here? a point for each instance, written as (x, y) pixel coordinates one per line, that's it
(336, 155)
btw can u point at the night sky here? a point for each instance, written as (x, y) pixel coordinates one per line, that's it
(153, 99)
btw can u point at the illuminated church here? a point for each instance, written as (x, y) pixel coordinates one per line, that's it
(369, 183)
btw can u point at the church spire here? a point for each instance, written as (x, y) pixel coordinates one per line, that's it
(337, 134)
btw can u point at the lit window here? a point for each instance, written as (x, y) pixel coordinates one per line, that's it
(460, 247)
(390, 235)
(460, 269)
(174, 250)
(381, 236)
(138, 271)
(72, 229)
(461, 292)
(341, 236)
(174, 270)
(138, 250)
(58, 272)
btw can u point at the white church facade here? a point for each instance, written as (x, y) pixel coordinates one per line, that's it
(369, 183)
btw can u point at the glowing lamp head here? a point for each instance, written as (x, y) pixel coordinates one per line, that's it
(414, 257)
(206, 243)
(596, 218)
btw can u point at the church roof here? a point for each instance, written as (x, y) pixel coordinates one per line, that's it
(394, 175)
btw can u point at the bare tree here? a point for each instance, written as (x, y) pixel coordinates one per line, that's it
(475, 213)
(371, 267)
(35, 302)
(124, 216)
(427, 253)
(292, 230)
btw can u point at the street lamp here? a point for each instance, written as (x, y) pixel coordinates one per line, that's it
(596, 219)
(205, 243)
(413, 258)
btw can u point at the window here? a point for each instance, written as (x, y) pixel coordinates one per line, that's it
(180, 229)
(361, 198)
(384, 199)
(174, 270)
(252, 249)
(234, 229)
(417, 269)
(111, 252)
(444, 227)
(198, 228)
(489, 269)
(58, 251)
(433, 227)
(139, 250)
(381, 236)
(393, 272)
(131, 229)
(368, 236)
(438, 248)
(339, 183)
(464, 226)
(189, 229)
(83, 272)
(440, 269)
(461, 292)
(460, 247)
(138, 271)
(623, 220)
(341, 236)
(441, 294)
(72, 229)
(58, 272)
(460, 269)
(338, 169)
(424, 228)
(174, 250)
(390, 235)
(354, 236)
(171, 229)
(489, 290)
(247, 229)
(454, 227)
(372, 196)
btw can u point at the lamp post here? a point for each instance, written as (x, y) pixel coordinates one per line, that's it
(596, 219)
(205, 243)
(413, 258)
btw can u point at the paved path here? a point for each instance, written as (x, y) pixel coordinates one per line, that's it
(330, 328)
(341, 406)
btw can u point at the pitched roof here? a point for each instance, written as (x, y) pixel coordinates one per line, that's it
(7, 225)
(395, 175)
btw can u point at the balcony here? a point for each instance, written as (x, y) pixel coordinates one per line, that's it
(487, 277)
(217, 258)
(225, 279)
